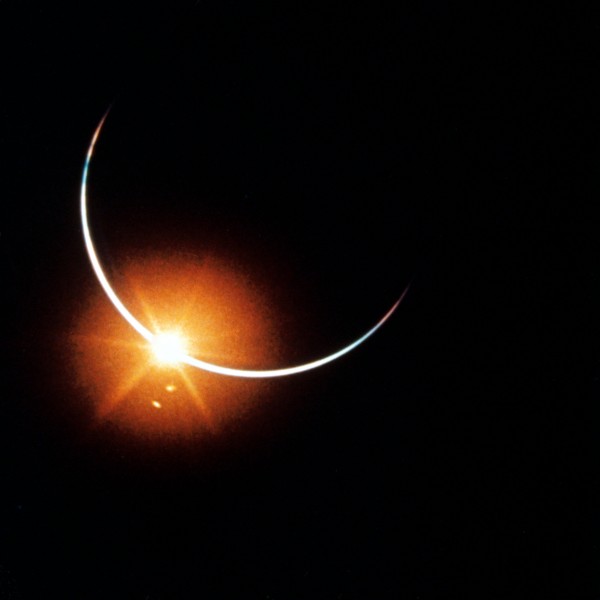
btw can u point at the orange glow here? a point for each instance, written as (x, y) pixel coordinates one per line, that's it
(223, 316)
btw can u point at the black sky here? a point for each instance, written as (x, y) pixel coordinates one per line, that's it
(452, 454)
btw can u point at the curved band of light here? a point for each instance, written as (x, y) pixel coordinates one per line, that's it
(149, 336)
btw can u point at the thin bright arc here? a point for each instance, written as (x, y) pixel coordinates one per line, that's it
(91, 250)
(149, 335)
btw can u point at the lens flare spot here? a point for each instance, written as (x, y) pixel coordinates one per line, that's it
(168, 348)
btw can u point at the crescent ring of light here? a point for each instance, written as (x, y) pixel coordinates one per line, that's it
(149, 336)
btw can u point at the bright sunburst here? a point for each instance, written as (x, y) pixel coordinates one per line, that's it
(168, 348)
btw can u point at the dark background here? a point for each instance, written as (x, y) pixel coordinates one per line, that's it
(453, 453)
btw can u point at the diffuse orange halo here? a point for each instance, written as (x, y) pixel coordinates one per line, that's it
(176, 352)
(142, 388)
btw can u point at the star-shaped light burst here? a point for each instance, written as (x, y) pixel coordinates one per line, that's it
(190, 306)
(168, 348)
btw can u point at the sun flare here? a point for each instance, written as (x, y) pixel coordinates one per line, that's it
(168, 348)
